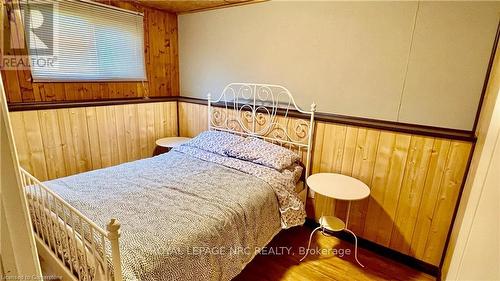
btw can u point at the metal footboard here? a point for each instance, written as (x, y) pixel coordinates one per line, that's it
(85, 250)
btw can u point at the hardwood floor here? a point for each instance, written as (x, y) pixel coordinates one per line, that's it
(279, 265)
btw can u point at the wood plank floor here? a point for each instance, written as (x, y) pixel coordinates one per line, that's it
(279, 265)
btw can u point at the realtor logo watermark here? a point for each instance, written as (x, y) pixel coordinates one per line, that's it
(28, 39)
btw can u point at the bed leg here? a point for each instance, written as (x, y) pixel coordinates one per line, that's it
(113, 228)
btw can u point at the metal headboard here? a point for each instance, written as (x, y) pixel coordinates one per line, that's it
(262, 111)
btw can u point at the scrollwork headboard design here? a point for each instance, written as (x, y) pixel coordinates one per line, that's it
(262, 111)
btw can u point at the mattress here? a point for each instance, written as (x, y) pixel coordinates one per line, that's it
(185, 215)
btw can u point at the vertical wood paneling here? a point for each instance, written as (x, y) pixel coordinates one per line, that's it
(24, 75)
(62, 142)
(430, 195)
(132, 132)
(415, 174)
(171, 22)
(68, 148)
(29, 142)
(119, 127)
(106, 136)
(147, 129)
(143, 138)
(93, 132)
(414, 181)
(349, 151)
(170, 119)
(333, 147)
(317, 150)
(448, 194)
(363, 167)
(192, 119)
(80, 135)
(385, 187)
(113, 135)
(52, 144)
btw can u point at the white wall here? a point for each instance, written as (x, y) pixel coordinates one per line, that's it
(476, 254)
(474, 248)
(412, 62)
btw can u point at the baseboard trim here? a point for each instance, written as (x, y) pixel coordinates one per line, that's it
(384, 251)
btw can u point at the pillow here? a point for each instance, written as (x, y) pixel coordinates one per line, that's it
(296, 171)
(214, 141)
(264, 153)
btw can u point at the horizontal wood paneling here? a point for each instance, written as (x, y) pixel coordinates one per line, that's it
(415, 181)
(60, 142)
(161, 59)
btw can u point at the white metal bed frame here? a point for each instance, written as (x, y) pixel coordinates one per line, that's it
(262, 111)
(71, 243)
(67, 240)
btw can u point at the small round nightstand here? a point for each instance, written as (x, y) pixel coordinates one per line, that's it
(339, 187)
(165, 144)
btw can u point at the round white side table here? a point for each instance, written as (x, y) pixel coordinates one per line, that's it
(339, 187)
(165, 144)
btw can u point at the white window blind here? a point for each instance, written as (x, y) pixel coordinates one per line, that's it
(91, 42)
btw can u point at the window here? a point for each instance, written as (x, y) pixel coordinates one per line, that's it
(90, 42)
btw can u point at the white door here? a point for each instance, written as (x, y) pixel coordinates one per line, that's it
(18, 255)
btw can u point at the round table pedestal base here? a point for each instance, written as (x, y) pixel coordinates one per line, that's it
(334, 224)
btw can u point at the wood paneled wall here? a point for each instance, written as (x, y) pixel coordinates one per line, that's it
(415, 181)
(61, 142)
(161, 59)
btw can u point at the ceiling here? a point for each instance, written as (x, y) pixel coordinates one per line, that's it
(182, 6)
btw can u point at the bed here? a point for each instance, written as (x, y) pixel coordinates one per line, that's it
(199, 212)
